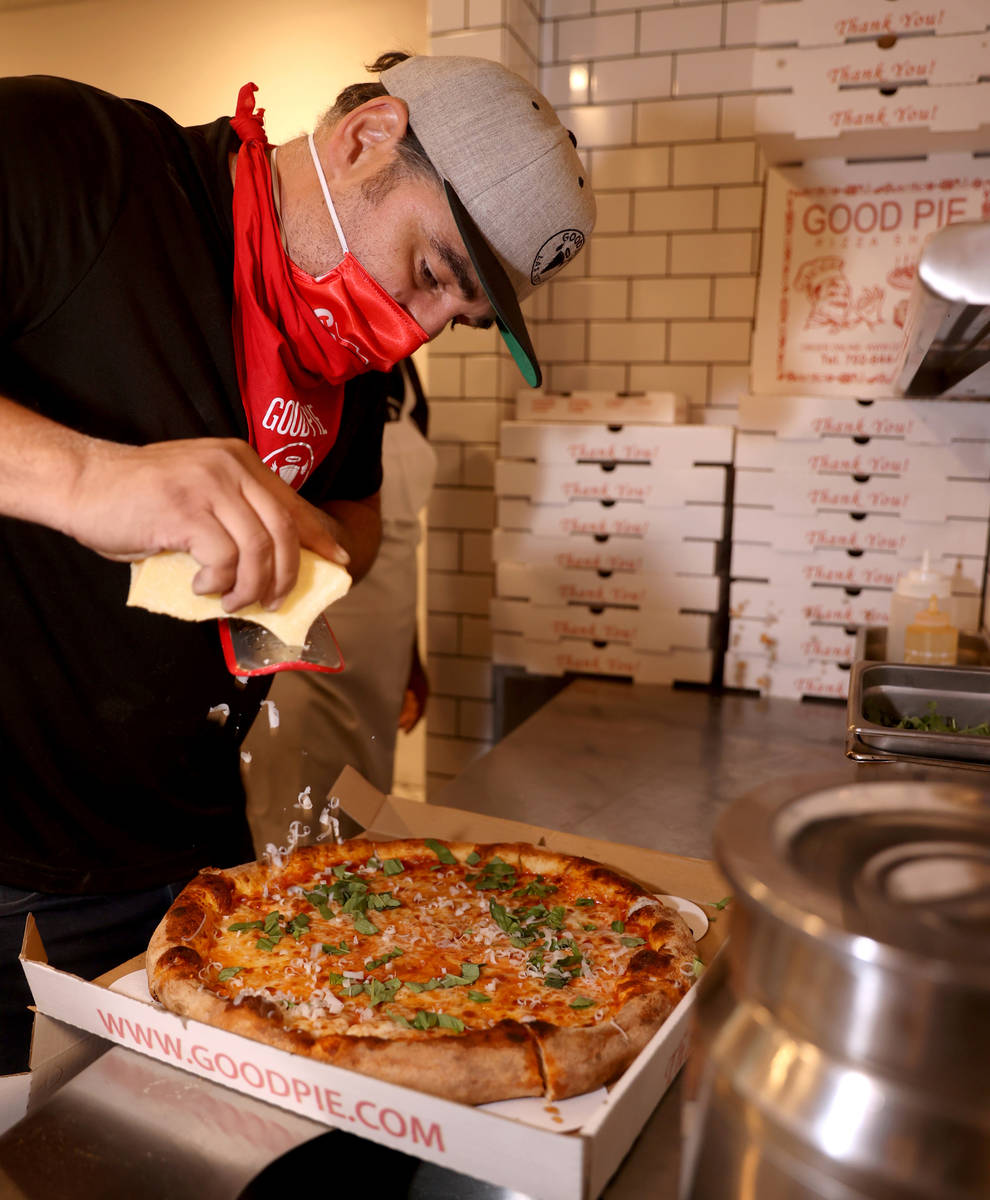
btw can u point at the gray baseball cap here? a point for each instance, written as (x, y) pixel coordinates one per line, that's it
(515, 185)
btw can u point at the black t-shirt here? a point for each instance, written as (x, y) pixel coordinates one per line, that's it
(116, 254)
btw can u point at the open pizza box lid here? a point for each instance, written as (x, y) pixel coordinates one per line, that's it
(566, 1150)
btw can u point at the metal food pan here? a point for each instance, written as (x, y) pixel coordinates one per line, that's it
(893, 691)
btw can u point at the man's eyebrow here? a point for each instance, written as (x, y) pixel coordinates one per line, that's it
(458, 266)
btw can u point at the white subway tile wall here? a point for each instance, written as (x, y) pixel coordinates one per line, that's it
(659, 97)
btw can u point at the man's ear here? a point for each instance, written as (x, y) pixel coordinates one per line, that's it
(366, 137)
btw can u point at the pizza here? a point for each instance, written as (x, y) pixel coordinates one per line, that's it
(473, 972)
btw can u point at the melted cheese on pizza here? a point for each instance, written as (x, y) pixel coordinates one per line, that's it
(376, 947)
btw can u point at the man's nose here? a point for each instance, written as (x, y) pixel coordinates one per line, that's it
(434, 315)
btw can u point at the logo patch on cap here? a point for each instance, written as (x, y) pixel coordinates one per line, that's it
(554, 254)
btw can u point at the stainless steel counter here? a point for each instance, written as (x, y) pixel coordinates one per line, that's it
(648, 766)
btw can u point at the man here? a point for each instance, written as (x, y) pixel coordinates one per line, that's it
(178, 318)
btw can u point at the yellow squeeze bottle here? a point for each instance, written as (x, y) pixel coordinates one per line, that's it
(931, 638)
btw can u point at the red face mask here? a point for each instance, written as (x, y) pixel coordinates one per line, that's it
(298, 339)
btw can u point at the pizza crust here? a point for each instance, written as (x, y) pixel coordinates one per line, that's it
(510, 1059)
(162, 583)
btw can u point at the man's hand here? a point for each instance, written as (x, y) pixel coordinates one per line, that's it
(211, 497)
(415, 696)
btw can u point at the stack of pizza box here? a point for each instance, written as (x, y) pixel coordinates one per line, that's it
(875, 123)
(834, 499)
(610, 544)
(862, 78)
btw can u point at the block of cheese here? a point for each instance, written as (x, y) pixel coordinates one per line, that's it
(162, 583)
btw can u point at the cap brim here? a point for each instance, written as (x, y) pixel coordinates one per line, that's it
(498, 289)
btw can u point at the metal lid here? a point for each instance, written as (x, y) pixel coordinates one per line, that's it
(903, 864)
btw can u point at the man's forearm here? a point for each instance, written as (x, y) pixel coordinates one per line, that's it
(40, 464)
(359, 525)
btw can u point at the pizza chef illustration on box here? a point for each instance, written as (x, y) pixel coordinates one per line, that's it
(840, 256)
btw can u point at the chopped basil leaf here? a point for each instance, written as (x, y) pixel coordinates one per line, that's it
(228, 973)
(469, 974)
(363, 925)
(298, 925)
(502, 917)
(334, 978)
(399, 1019)
(554, 980)
(424, 1019)
(582, 1002)
(378, 991)
(373, 863)
(354, 989)
(239, 926)
(699, 968)
(619, 926)
(720, 904)
(537, 888)
(380, 900)
(429, 986)
(372, 963)
(266, 943)
(572, 960)
(479, 997)
(340, 948)
(473, 858)
(589, 928)
(393, 866)
(440, 851)
(318, 897)
(496, 875)
(445, 1021)
(633, 941)
(556, 917)
(584, 901)
(533, 914)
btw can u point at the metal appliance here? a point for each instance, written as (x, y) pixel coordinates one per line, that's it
(846, 1054)
(947, 345)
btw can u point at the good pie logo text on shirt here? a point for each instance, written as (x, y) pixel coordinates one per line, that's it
(292, 419)
(294, 459)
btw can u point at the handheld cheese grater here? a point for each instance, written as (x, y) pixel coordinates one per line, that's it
(251, 649)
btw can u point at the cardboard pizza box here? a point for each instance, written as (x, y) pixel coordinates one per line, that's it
(810, 680)
(920, 466)
(605, 553)
(567, 1150)
(811, 23)
(651, 485)
(577, 656)
(673, 445)
(655, 408)
(608, 518)
(624, 589)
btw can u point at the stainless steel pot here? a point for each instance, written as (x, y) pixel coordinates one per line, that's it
(845, 1054)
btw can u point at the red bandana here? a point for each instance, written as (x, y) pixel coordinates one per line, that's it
(292, 361)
